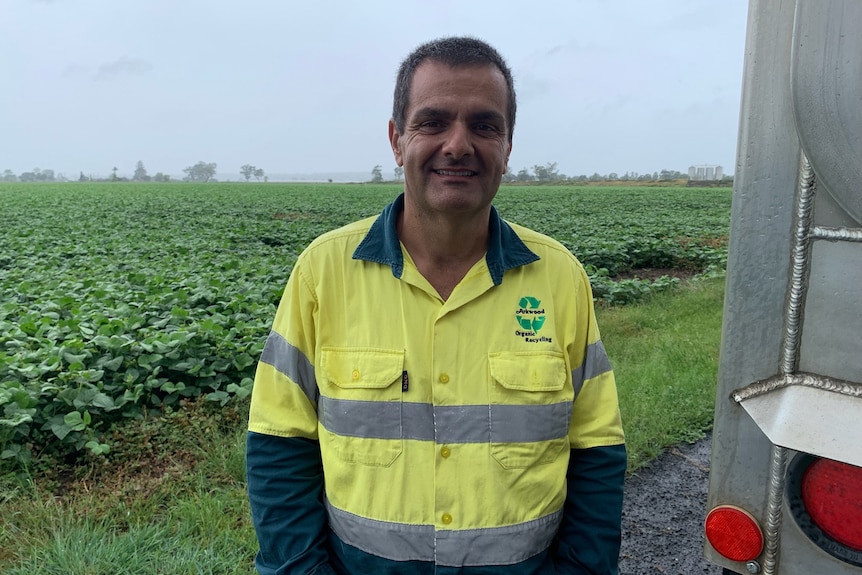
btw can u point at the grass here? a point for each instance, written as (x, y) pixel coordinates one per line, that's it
(170, 498)
(665, 357)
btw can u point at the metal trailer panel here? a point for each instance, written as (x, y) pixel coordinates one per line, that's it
(756, 336)
(758, 266)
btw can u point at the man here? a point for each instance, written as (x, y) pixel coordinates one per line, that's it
(434, 396)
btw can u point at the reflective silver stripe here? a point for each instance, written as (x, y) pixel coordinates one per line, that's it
(453, 424)
(395, 541)
(369, 419)
(595, 363)
(465, 548)
(526, 423)
(289, 361)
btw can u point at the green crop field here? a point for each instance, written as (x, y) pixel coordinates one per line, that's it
(124, 299)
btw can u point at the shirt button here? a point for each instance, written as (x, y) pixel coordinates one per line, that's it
(446, 519)
(445, 452)
(355, 374)
(444, 378)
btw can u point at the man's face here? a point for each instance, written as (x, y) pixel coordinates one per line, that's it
(455, 144)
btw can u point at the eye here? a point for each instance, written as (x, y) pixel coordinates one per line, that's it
(486, 129)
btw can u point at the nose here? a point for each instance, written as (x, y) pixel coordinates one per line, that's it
(459, 142)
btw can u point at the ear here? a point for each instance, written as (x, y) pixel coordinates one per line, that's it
(394, 138)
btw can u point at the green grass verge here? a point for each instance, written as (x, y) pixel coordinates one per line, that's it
(170, 498)
(664, 352)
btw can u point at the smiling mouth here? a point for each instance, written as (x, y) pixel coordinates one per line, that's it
(455, 172)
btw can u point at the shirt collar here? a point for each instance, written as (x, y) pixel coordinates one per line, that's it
(381, 245)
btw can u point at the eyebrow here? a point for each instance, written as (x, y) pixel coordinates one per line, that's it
(439, 113)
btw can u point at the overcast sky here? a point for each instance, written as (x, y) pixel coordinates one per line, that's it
(306, 87)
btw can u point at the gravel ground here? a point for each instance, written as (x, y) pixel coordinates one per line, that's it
(663, 513)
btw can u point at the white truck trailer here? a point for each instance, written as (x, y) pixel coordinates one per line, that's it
(785, 487)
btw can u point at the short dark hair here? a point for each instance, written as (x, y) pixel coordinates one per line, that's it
(454, 51)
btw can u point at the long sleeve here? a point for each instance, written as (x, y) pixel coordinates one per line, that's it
(588, 542)
(283, 461)
(285, 489)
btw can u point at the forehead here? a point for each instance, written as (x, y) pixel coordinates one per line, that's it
(436, 83)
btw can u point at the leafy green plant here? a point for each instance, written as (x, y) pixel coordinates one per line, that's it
(122, 301)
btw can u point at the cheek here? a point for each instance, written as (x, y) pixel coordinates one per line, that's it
(413, 152)
(504, 151)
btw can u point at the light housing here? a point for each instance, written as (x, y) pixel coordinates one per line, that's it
(825, 500)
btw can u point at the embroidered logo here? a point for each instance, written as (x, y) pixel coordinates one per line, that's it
(531, 317)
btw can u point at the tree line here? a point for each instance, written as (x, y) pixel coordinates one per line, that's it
(550, 174)
(199, 172)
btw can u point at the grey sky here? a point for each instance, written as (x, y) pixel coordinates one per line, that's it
(304, 87)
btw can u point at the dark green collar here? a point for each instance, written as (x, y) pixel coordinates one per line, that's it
(380, 244)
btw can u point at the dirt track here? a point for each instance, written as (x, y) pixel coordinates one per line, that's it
(663, 514)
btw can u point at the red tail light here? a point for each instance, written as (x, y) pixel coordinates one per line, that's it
(825, 499)
(734, 533)
(832, 494)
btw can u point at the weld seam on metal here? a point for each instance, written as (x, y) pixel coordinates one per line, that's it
(765, 386)
(790, 349)
(837, 234)
(796, 297)
(777, 465)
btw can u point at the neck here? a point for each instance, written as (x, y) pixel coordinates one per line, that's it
(444, 238)
(444, 248)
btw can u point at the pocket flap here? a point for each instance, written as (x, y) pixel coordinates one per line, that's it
(528, 371)
(362, 368)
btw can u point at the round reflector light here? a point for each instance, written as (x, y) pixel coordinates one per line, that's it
(734, 533)
(832, 494)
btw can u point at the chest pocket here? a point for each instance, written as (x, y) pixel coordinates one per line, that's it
(360, 404)
(531, 405)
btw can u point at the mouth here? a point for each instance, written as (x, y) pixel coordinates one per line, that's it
(460, 173)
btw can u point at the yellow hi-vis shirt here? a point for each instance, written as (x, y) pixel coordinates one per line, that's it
(444, 426)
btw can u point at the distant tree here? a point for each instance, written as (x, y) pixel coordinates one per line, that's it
(37, 175)
(114, 177)
(258, 174)
(524, 175)
(377, 174)
(547, 173)
(9, 176)
(83, 178)
(399, 173)
(160, 177)
(200, 172)
(140, 173)
(670, 175)
(247, 171)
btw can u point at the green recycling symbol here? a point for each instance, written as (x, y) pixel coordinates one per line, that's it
(530, 321)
